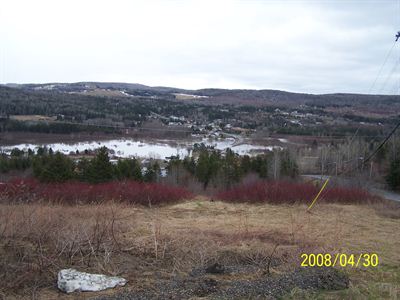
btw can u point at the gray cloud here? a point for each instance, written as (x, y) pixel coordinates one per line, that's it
(305, 46)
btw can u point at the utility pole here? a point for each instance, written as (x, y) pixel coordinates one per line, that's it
(370, 170)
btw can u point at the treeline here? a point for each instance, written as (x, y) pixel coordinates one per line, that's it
(58, 168)
(207, 166)
(82, 108)
(18, 160)
(224, 169)
(337, 131)
(348, 157)
(48, 166)
(390, 153)
(58, 128)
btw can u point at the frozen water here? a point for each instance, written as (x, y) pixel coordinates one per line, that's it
(159, 149)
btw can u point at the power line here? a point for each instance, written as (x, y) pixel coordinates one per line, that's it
(380, 70)
(390, 75)
(352, 169)
(368, 158)
(382, 144)
(354, 135)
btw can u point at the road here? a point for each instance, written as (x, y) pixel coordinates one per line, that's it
(386, 194)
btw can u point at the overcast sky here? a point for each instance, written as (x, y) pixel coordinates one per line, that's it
(304, 46)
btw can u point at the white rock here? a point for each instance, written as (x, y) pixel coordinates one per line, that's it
(70, 280)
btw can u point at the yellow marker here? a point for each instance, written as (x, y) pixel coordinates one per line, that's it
(316, 197)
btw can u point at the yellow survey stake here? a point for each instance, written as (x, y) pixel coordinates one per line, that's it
(319, 193)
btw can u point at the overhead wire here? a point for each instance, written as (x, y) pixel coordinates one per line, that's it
(323, 191)
(390, 74)
(381, 68)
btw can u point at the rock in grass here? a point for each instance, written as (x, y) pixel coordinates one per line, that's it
(71, 280)
(215, 269)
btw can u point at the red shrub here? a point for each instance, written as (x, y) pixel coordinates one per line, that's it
(131, 192)
(277, 192)
(18, 189)
(349, 195)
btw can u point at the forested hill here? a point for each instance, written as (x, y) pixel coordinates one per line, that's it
(233, 96)
(132, 105)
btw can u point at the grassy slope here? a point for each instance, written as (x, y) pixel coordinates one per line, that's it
(174, 239)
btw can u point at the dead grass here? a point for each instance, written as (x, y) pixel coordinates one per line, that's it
(389, 209)
(32, 118)
(142, 244)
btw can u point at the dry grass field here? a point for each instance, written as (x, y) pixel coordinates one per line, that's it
(34, 118)
(149, 246)
(104, 93)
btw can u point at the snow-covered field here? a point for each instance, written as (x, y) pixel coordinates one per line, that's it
(158, 149)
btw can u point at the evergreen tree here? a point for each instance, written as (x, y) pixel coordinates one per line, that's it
(82, 169)
(15, 152)
(259, 164)
(288, 165)
(30, 152)
(245, 164)
(393, 176)
(152, 173)
(202, 168)
(54, 168)
(231, 171)
(4, 164)
(207, 166)
(190, 164)
(128, 168)
(41, 151)
(100, 167)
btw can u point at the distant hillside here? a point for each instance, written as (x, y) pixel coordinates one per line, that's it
(226, 96)
(132, 105)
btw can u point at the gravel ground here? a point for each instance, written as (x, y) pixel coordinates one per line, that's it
(198, 284)
(221, 269)
(273, 287)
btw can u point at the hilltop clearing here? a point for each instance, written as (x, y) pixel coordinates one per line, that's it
(199, 248)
